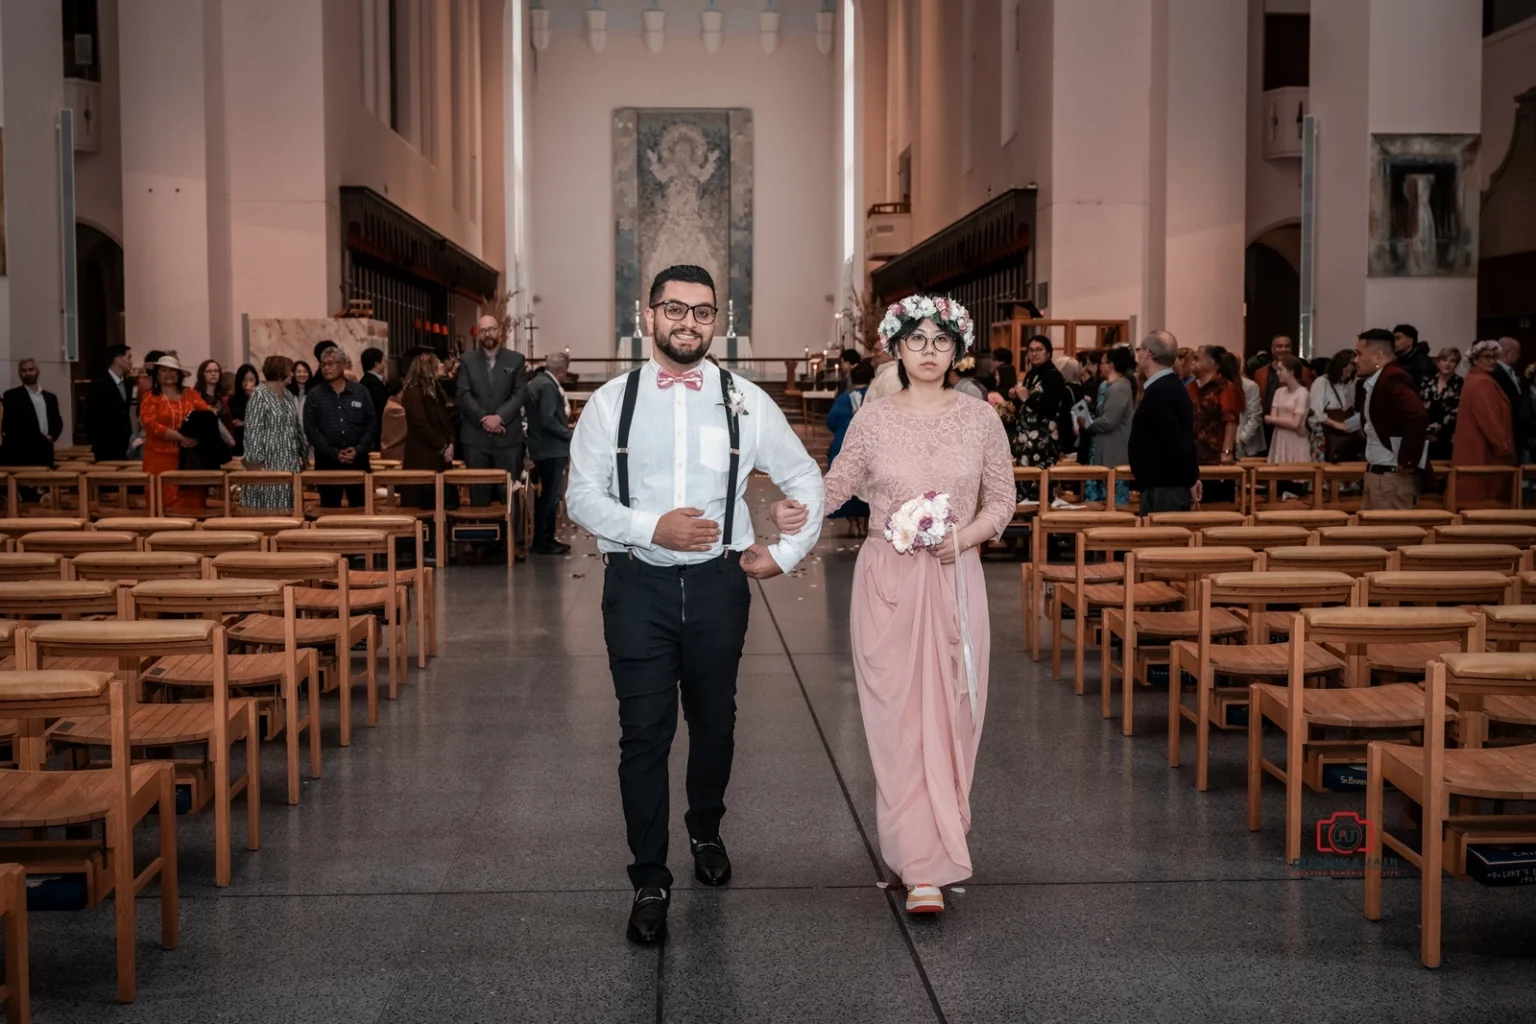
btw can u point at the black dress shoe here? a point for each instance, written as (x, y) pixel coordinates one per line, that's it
(648, 917)
(711, 864)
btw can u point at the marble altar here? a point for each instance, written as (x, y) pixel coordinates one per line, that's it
(296, 338)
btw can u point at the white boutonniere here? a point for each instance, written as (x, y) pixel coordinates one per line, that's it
(735, 402)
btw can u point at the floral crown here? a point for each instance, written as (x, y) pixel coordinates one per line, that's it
(946, 313)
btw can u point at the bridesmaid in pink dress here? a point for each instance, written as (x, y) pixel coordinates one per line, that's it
(907, 654)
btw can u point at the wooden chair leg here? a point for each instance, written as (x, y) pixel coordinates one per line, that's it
(1128, 683)
(18, 998)
(1024, 607)
(1203, 730)
(253, 778)
(421, 615)
(122, 904)
(344, 675)
(1255, 761)
(1079, 649)
(1430, 877)
(373, 673)
(291, 741)
(1057, 633)
(429, 597)
(1106, 666)
(1175, 706)
(218, 764)
(170, 899)
(1373, 814)
(1294, 759)
(312, 680)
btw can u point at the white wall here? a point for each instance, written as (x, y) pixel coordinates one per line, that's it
(793, 98)
(1509, 69)
(1274, 186)
(99, 175)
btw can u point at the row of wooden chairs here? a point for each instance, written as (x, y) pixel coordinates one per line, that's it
(1256, 486)
(131, 494)
(1285, 615)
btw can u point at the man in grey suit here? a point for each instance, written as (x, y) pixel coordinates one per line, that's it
(549, 445)
(493, 383)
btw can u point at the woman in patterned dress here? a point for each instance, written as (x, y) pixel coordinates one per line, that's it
(162, 412)
(274, 438)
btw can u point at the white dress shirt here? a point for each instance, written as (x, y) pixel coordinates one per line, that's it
(40, 407)
(1378, 451)
(679, 457)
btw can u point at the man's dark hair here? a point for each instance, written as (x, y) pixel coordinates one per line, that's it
(1379, 336)
(685, 273)
(851, 355)
(322, 346)
(372, 357)
(1408, 329)
(114, 351)
(862, 374)
(1003, 355)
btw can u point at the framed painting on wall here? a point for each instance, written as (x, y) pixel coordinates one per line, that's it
(1424, 206)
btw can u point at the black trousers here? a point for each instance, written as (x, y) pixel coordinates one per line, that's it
(664, 627)
(1164, 499)
(510, 459)
(546, 511)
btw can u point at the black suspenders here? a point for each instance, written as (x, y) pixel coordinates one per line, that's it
(733, 424)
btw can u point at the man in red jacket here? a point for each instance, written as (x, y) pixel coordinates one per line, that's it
(1394, 421)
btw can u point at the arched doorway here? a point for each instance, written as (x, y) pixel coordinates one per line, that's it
(99, 269)
(1272, 287)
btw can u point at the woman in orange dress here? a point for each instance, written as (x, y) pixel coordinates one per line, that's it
(1485, 433)
(162, 412)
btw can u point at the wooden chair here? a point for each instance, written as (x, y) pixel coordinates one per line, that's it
(76, 542)
(120, 797)
(213, 725)
(1424, 518)
(1146, 635)
(1504, 558)
(327, 633)
(1084, 596)
(16, 992)
(384, 600)
(311, 479)
(394, 492)
(1435, 779)
(118, 493)
(65, 599)
(236, 480)
(1037, 573)
(1430, 588)
(143, 526)
(468, 517)
(1388, 537)
(1266, 481)
(1311, 518)
(204, 543)
(20, 566)
(1516, 534)
(1500, 516)
(1333, 478)
(56, 493)
(1297, 710)
(212, 479)
(1202, 520)
(1074, 477)
(1242, 488)
(267, 526)
(13, 528)
(420, 581)
(1353, 559)
(130, 567)
(1257, 658)
(1511, 474)
(1256, 538)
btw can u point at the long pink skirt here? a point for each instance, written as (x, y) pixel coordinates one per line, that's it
(917, 713)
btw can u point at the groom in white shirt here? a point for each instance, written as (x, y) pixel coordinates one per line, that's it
(659, 467)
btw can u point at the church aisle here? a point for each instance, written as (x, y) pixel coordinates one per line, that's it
(465, 862)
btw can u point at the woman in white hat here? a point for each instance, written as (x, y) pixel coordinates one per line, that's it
(162, 412)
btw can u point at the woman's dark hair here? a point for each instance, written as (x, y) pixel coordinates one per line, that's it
(1318, 365)
(1293, 364)
(1341, 360)
(1002, 355)
(1121, 359)
(293, 385)
(1042, 339)
(238, 397)
(1226, 362)
(201, 385)
(862, 374)
(276, 367)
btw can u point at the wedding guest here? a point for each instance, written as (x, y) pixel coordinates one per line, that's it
(1507, 374)
(1292, 441)
(962, 377)
(1185, 367)
(428, 426)
(299, 384)
(1218, 405)
(1043, 429)
(1251, 439)
(392, 424)
(209, 383)
(109, 410)
(31, 422)
(1388, 410)
(246, 382)
(846, 361)
(1484, 429)
(1280, 347)
(373, 380)
(549, 446)
(1441, 394)
(1333, 398)
(1003, 370)
(886, 382)
(274, 435)
(923, 702)
(838, 419)
(340, 425)
(1161, 449)
(1109, 431)
(492, 386)
(1412, 354)
(163, 412)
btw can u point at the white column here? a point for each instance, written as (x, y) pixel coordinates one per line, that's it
(1379, 67)
(166, 245)
(1204, 188)
(32, 75)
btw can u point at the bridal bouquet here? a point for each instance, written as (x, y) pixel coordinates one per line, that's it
(920, 523)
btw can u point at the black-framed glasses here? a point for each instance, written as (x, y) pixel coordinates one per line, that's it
(703, 313)
(918, 342)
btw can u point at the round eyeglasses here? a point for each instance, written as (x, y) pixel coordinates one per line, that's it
(918, 342)
(703, 313)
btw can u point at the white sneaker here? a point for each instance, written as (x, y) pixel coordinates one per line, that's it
(924, 899)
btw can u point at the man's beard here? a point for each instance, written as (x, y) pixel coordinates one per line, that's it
(681, 358)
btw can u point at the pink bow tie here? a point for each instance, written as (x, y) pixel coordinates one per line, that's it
(693, 380)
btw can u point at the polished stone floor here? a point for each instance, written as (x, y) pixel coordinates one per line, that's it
(465, 862)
